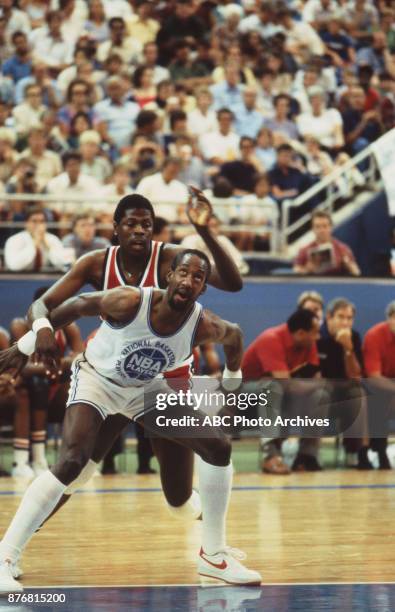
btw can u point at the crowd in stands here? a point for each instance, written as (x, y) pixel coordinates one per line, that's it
(251, 99)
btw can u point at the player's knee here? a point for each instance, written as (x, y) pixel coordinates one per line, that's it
(71, 466)
(217, 451)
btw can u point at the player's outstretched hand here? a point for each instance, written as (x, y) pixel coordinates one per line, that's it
(47, 350)
(199, 209)
(12, 360)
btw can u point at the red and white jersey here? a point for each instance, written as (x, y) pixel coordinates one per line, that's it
(113, 277)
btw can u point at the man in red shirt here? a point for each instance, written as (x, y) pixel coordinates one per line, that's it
(379, 359)
(283, 352)
(325, 255)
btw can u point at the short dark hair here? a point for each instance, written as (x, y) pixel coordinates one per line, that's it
(321, 214)
(224, 110)
(247, 139)
(71, 155)
(301, 319)
(144, 118)
(138, 74)
(284, 147)
(281, 96)
(177, 115)
(81, 217)
(180, 256)
(114, 20)
(132, 201)
(338, 303)
(34, 210)
(16, 35)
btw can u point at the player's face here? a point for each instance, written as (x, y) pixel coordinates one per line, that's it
(186, 282)
(134, 231)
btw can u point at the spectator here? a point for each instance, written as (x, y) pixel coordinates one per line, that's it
(34, 248)
(379, 359)
(141, 26)
(265, 151)
(7, 153)
(79, 124)
(338, 46)
(377, 55)
(325, 255)
(283, 352)
(341, 364)
(242, 173)
(40, 76)
(312, 300)
(96, 24)
(150, 59)
(220, 146)
(228, 93)
(318, 162)
(78, 94)
(29, 114)
(47, 163)
(387, 100)
(162, 231)
(187, 70)
(93, 164)
(120, 43)
(119, 185)
(193, 171)
(145, 158)
(301, 38)
(280, 122)
(248, 119)
(51, 48)
(325, 124)
(116, 118)
(144, 90)
(182, 24)
(71, 182)
(360, 128)
(287, 181)
(83, 238)
(19, 65)
(194, 241)
(16, 20)
(202, 119)
(167, 194)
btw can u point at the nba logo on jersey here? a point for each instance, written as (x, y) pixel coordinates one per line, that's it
(144, 362)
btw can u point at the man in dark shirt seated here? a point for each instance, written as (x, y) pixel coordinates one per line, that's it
(341, 364)
(360, 128)
(242, 173)
(287, 181)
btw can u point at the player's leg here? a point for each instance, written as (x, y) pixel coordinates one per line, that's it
(215, 484)
(39, 397)
(81, 424)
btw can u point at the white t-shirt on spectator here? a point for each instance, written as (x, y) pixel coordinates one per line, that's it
(172, 195)
(117, 8)
(130, 50)
(18, 22)
(120, 119)
(216, 144)
(47, 166)
(20, 252)
(53, 52)
(27, 117)
(199, 124)
(85, 186)
(321, 127)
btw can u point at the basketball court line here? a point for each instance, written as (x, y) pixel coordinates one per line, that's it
(200, 585)
(236, 488)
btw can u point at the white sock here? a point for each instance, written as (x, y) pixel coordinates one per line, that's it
(215, 484)
(38, 453)
(86, 474)
(21, 456)
(37, 503)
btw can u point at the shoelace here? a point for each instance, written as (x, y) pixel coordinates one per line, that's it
(236, 553)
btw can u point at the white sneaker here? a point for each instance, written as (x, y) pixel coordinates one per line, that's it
(8, 584)
(22, 470)
(225, 565)
(39, 468)
(17, 571)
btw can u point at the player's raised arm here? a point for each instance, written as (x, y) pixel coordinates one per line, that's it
(214, 329)
(224, 274)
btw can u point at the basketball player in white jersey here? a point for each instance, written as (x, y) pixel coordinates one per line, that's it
(137, 261)
(145, 332)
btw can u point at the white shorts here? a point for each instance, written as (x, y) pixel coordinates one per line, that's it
(88, 387)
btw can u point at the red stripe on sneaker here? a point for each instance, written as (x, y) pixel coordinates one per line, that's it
(223, 565)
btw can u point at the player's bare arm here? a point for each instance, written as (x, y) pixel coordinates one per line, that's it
(214, 329)
(224, 274)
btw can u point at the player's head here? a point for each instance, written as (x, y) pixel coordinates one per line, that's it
(312, 300)
(133, 224)
(187, 278)
(304, 327)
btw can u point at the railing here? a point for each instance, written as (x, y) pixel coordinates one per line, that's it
(329, 183)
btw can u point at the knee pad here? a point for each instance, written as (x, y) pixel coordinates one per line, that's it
(191, 509)
(85, 475)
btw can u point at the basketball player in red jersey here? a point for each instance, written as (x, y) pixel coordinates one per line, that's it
(137, 261)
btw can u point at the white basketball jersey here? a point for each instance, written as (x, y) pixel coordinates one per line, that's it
(133, 355)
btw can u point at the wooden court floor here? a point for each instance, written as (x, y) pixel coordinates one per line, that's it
(335, 526)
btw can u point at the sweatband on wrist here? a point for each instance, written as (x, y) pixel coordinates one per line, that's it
(41, 324)
(27, 343)
(231, 380)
